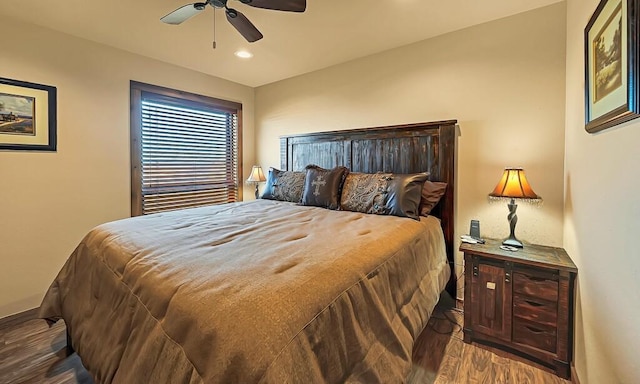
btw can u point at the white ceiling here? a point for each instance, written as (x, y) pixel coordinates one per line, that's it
(328, 33)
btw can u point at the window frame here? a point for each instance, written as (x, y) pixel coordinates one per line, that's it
(135, 130)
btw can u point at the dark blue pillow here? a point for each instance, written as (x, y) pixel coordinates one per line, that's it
(322, 187)
(284, 186)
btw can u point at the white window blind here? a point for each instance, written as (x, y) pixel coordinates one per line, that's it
(188, 154)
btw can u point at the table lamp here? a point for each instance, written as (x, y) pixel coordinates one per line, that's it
(256, 177)
(514, 185)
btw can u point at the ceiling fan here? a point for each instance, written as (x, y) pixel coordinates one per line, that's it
(236, 18)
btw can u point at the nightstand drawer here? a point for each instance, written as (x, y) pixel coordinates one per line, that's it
(534, 309)
(537, 286)
(534, 334)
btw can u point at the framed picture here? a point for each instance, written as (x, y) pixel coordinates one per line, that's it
(612, 87)
(27, 116)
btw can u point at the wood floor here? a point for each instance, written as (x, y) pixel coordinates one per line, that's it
(30, 352)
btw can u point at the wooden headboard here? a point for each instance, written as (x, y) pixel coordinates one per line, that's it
(408, 148)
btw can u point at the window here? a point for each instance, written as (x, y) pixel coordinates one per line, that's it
(185, 150)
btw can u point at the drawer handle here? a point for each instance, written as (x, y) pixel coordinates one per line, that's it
(533, 329)
(534, 278)
(533, 303)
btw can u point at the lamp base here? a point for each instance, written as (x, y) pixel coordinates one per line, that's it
(513, 219)
(512, 241)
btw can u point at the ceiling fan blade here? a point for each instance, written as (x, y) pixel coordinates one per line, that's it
(279, 5)
(243, 25)
(183, 13)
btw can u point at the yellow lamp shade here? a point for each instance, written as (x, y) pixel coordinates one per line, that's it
(514, 185)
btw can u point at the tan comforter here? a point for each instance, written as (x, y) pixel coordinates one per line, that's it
(256, 292)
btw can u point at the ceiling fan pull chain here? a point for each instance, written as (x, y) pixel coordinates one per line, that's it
(214, 28)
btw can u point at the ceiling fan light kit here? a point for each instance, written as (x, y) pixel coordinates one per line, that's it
(235, 17)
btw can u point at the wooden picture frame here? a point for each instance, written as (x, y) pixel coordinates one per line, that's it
(27, 116)
(612, 87)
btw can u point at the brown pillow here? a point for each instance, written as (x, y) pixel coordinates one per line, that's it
(284, 185)
(432, 192)
(383, 193)
(322, 187)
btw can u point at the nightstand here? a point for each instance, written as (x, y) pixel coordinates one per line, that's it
(522, 302)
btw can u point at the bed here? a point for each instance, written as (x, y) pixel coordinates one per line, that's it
(267, 291)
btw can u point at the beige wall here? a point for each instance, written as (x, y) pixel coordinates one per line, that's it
(48, 201)
(602, 226)
(503, 81)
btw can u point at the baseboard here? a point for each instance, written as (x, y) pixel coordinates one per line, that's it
(18, 318)
(574, 375)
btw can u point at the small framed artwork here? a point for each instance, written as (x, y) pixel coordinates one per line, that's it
(612, 45)
(27, 116)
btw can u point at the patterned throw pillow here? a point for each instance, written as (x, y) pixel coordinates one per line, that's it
(365, 192)
(383, 193)
(322, 187)
(284, 185)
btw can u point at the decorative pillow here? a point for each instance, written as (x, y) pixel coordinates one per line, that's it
(322, 187)
(365, 192)
(383, 193)
(432, 192)
(404, 191)
(284, 185)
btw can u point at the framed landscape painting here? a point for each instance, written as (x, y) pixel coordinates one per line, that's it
(27, 116)
(612, 87)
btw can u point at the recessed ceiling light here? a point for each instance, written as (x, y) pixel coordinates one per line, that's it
(244, 54)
